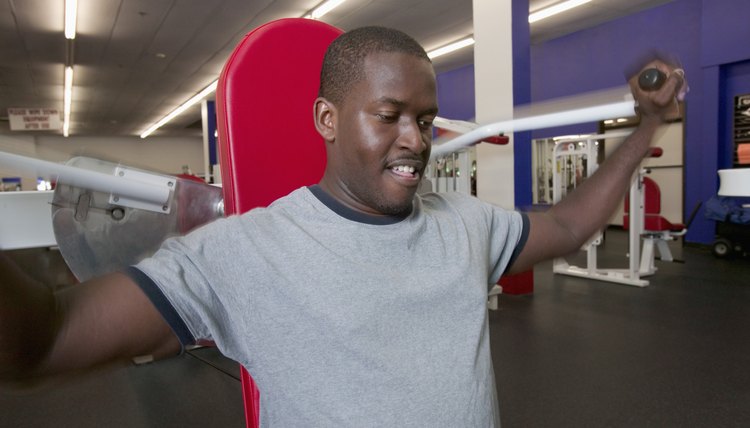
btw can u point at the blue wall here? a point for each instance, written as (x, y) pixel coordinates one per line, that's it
(455, 90)
(596, 58)
(711, 38)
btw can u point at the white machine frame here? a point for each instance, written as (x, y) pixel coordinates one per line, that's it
(641, 261)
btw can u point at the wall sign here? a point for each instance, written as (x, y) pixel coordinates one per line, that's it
(742, 130)
(34, 119)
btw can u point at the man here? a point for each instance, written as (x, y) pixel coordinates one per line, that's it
(352, 303)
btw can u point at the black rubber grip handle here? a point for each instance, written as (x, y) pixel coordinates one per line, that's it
(651, 79)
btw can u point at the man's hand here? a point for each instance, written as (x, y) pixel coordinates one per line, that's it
(102, 321)
(661, 103)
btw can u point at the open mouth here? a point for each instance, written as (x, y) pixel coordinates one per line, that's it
(408, 173)
(405, 170)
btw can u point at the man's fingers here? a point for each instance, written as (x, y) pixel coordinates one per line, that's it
(659, 99)
(674, 87)
(683, 88)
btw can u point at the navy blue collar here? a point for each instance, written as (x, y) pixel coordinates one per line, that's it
(350, 214)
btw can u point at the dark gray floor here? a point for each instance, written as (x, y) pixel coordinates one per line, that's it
(576, 353)
(180, 392)
(583, 353)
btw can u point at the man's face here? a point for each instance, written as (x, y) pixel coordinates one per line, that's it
(383, 134)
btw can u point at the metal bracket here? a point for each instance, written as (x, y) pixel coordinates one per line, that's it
(145, 178)
(82, 208)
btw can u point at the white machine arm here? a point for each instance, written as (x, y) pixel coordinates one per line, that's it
(104, 216)
(590, 107)
(132, 187)
(540, 121)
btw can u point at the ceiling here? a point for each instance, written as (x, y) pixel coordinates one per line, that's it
(137, 60)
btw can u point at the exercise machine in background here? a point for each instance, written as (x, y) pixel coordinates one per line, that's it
(575, 159)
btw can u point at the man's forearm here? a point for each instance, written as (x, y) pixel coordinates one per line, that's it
(28, 322)
(588, 208)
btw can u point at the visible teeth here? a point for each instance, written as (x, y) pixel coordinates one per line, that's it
(404, 168)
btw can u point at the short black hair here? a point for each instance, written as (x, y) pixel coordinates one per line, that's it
(344, 60)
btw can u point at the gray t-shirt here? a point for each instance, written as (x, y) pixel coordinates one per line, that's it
(342, 322)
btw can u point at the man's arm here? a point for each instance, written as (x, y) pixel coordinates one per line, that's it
(102, 321)
(567, 225)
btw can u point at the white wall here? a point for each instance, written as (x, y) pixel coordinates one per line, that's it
(159, 154)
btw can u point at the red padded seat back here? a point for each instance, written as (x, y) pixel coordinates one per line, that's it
(268, 145)
(267, 142)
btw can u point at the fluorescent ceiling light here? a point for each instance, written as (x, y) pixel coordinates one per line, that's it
(554, 10)
(451, 47)
(71, 11)
(67, 99)
(316, 13)
(186, 105)
(324, 8)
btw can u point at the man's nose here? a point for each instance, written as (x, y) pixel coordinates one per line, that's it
(411, 137)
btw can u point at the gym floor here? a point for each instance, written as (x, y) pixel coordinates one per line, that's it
(576, 353)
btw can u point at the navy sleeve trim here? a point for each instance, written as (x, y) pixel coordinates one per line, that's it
(521, 241)
(163, 305)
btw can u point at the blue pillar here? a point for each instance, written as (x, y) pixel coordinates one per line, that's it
(521, 95)
(210, 155)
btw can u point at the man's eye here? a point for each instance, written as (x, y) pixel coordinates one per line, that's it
(386, 117)
(425, 124)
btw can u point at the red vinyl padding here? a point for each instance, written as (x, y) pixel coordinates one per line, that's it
(268, 145)
(653, 221)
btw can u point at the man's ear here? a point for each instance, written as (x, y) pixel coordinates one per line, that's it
(325, 119)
